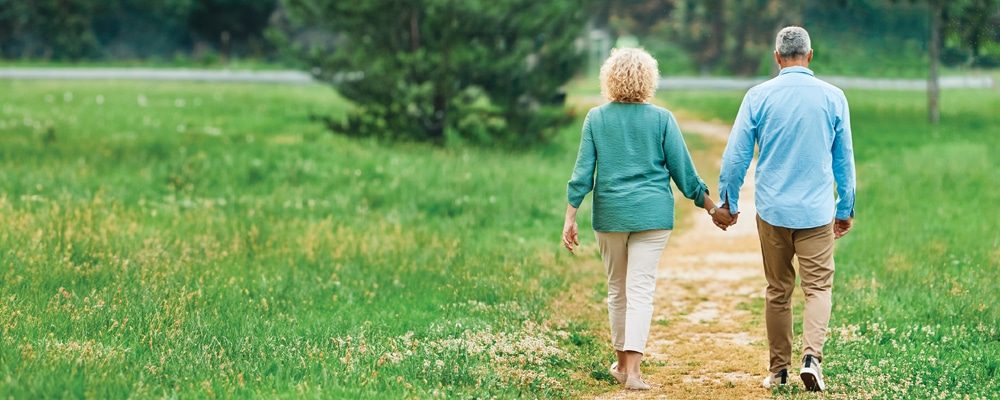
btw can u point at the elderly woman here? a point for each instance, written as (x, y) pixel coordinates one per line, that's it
(629, 152)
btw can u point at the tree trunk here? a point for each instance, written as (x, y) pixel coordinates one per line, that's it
(717, 41)
(933, 87)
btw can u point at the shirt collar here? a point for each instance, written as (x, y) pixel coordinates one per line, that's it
(801, 70)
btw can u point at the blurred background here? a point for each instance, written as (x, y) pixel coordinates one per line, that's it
(363, 199)
(718, 37)
(498, 71)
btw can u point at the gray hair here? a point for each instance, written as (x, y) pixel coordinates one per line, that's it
(792, 42)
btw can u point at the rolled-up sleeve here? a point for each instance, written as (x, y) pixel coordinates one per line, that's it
(737, 156)
(680, 165)
(843, 162)
(582, 181)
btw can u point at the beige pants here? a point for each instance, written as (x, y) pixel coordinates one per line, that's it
(631, 260)
(814, 249)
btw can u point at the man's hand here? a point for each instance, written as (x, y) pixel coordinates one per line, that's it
(842, 226)
(569, 236)
(723, 219)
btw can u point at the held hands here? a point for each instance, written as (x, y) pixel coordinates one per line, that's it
(842, 226)
(722, 218)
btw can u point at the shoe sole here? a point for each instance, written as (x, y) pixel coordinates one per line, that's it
(809, 379)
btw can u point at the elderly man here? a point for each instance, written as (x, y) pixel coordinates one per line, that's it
(803, 129)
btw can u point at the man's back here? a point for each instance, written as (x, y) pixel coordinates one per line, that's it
(802, 127)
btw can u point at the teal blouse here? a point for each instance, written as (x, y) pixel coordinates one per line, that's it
(628, 154)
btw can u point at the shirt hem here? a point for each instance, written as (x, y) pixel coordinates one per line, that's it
(669, 227)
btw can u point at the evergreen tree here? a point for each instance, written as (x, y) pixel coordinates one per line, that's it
(437, 70)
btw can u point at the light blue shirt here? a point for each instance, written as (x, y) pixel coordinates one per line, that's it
(802, 127)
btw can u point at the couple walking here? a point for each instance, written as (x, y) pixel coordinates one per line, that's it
(629, 152)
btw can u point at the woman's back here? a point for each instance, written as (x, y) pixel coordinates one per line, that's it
(629, 142)
(633, 150)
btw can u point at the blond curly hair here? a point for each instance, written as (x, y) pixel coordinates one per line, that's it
(629, 75)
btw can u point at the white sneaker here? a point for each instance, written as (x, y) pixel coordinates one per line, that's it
(634, 382)
(619, 376)
(779, 378)
(812, 375)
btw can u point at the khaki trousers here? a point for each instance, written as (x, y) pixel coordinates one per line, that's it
(814, 249)
(631, 260)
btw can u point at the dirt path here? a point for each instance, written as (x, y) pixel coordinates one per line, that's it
(707, 339)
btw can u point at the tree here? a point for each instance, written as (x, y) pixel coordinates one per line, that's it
(973, 23)
(729, 33)
(637, 17)
(935, 8)
(975, 28)
(755, 23)
(226, 22)
(700, 28)
(47, 29)
(436, 70)
(129, 29)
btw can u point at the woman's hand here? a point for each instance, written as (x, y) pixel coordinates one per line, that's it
(570, 236)
(720, 216)
(723, 219)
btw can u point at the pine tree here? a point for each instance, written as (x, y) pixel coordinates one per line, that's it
(438, 70)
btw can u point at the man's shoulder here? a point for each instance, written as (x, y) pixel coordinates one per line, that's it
(829, 87)
(779, 82)
(765, 87)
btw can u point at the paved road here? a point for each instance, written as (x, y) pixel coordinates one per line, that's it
(299, 77)
(158, 74)
(844, 82)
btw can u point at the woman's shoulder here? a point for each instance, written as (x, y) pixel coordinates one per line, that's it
(625, 107)
(661, 111)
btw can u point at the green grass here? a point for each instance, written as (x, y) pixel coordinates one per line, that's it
(915, 303)
(198, 240)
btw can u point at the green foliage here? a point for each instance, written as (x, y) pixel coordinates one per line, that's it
(47, 28)
(129, 29)
(716, 35)
(971, 25)
(851, 37)
(413, 67)
(672, 59)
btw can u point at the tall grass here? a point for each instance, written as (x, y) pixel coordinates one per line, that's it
(164, 239)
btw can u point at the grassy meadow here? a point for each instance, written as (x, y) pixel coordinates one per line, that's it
(916, 294)
(212, 240)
